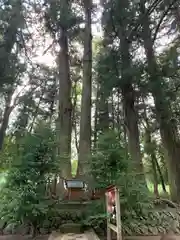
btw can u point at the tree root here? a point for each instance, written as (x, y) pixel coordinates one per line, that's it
(165, 201)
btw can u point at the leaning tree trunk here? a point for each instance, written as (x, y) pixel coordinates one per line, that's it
(85, 122)
(64, 116)
(168, 134)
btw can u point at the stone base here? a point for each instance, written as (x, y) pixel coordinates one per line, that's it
(89, 235)
(71, 228)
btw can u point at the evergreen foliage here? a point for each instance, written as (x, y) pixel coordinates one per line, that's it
(24, 196)
(131, 89)
(110, 167)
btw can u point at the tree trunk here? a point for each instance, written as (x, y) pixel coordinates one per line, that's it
(119, 119)
(65, 107)
(155, 174)
(161, 177)
(85, 122)
(9, 37)
(176, 13)
(35, 114)
(103, 110)
(167, 131)
(130, 114)
(95, 134)
(74, 120)
(54, 185)
(112, 112)
(7, 111)
(150, 150)
(131, 123)
(125, 84)
(34, 229)
(4, 125)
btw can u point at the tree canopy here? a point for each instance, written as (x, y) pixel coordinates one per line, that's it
(88, 89)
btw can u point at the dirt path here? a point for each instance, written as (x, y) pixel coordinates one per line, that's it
(89, 235)
(21, 237)
(72, 236)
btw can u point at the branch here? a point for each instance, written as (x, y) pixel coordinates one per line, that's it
(17, 97)
(139, 22)
(47, 49)
(165, 201)
(16, 102)
(162, 18)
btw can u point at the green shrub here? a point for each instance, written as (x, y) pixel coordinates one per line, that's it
(110, 165)
(108, 160)
(23, 197)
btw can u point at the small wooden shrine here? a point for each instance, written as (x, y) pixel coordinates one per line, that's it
(76, 189)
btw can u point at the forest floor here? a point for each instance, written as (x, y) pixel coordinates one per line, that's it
(69, 236)
(21, 237)
(80, 237)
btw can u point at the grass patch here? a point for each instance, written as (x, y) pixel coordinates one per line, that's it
(161, 192)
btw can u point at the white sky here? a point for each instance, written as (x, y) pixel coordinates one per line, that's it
(49, 59)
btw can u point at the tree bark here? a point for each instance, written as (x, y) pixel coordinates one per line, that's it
(85, 122)
(35, 113)
(155, 175)
(5, 120)
(65, 108)
(151, 151)
(74, 120)
(103, 110)
(112, 112)
(9, 39)
(95, 135)
(161, 177)
(131, 123)
(168, 134)
(130, 114)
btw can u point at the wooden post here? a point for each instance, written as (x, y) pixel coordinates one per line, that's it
(108, 228)
(116, 228)
(118, 214)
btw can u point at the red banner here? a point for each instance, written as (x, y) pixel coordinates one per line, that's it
(110, 193)
(113, 217)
